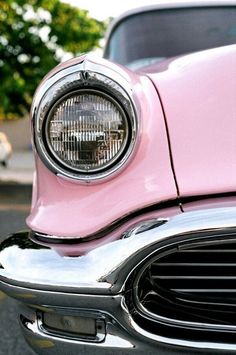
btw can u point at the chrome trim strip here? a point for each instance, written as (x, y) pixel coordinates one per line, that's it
(183, 343)
(81, 73)
(101, 234)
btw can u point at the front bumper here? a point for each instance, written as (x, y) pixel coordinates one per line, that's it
(93, 287)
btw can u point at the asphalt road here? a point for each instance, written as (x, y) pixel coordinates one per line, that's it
(14, 207)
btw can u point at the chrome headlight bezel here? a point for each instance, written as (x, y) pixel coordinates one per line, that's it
(85, 76)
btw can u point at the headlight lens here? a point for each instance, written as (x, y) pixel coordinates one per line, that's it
(87, 131)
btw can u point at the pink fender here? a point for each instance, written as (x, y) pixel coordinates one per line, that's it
(70, 209)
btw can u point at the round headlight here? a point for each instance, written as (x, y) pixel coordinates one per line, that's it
(85, 120)
(87, 131)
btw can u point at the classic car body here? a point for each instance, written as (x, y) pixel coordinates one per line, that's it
(132, 239)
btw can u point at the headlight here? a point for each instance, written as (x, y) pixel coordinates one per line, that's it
(85, 123)
(87, 131)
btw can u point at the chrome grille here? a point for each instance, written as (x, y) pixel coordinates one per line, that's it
(190, 286)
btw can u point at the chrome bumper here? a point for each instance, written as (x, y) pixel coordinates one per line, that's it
(93, 286)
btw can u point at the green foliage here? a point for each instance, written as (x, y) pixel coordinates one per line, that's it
(34, 35)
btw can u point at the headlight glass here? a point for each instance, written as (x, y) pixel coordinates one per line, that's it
(87, 131)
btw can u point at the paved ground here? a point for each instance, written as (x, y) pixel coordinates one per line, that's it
(14, 207)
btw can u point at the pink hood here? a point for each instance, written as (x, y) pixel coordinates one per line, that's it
(198, 94)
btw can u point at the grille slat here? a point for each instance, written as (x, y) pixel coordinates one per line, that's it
(207, 257)
(194, 277)
(195, 264)
(212, 290)
(194, 270)
(209, 251)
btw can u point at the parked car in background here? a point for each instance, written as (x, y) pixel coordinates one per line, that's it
(132, 232)
(5, 149)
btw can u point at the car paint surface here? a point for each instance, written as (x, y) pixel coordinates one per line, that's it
(198, 92)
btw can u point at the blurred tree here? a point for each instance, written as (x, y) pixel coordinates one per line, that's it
(34, 36)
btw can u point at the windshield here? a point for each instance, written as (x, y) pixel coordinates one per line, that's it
(150, 37)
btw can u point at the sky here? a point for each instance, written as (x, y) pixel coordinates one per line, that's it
(103, 9)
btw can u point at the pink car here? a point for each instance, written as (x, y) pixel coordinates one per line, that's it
(132, 241)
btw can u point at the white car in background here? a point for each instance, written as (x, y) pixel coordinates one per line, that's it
(5, 149)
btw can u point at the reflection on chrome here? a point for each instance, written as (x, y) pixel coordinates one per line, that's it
(24, 261)
(100, 280)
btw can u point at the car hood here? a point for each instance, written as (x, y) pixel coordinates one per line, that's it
(198, 94)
